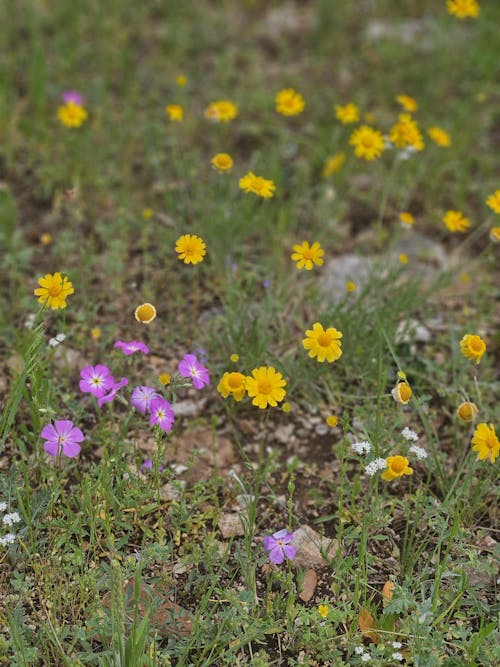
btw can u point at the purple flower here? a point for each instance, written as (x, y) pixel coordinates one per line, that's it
(63, 438)
(148, 465)
(72, 96)
(190, 367)
(133, 346)
(96, 380)
(161, 414)
(142, 397)
(279, 546)
(114, 390)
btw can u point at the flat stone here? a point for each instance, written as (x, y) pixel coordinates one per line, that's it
(230, 525)
(312, 549)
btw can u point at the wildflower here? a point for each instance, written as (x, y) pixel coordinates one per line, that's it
(54, 290)
(366, 657)
(439, 136)
(402, 393)
(131, 347)
(145, 313)
(96, 380)
(30, 321)
(408, 103)
(190, 367)
(406, 133)
(396, 644)
(493, 201)
(107, 398)
(62, 438)
(190, 248)
(363, 447)
(3, 506)
(456, 221)
(221, 111)
(306, 256)
(234, 384)
(406, 218)
(289, 102)
(95, 333)
(403, 258)
(286, 407)
(72, 96)
(332, 421)
(8, 538)
(222, 162)
(333, 164)
(349, 113)
(368, 143)
(397, 466)
(323, 343)
(350, 286)
(495, 234)
(323, 610)
(359, 650)
(181, 80)
(279, 546)
(467, 411)
(161, 414)
(57, 340)
(485, 442)
(260, 186)
(142, 397)
(46, 239)
(409, 435)
(463, 9)
(148, 213)
(265, 386)
(235, 358)
(10, 519)
(397, 656)
(72, 115)
(375, 465)
(473, 347)
(147, 465)
(419, 452)
(174, 112)
(164, 379)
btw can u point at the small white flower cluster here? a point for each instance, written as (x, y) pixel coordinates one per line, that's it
(30, 321)
(397, 656)
(8, 520)
(11, 518)
(397, 644)
(363, 447)
(409, 435)
(365, 656)
(419, 452)
(374, 466)
(54, 342)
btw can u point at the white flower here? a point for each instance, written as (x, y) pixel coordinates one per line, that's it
(419, 452)
(30, 321)
(10, 519)
(363, 447)
(8, 538)
(374, 466)
(397, 656)
(60, 337)
(359, 650)
(3, 506)
(409, 435)
(397, 644)
(366, 657)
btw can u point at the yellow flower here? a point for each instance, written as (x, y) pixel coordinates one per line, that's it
(349, 113)
(402, 375)
(260, 186)
(493, 201)
(332, 421)
(265, 385)
(181, 80)
(406, 133)
(403, 258)
(289, 102)
(495, 234)
(463, 9)
(174, 112)
(323, 610)
(222, 162)
(95, 333)
(46, 239)
(473, 347)
(467, 411)
(148, 213)
(485, 442)
(190, 248)
(402, 393)
(221, 111)
(406, 218)
(408, 103)
(333, 164)
(234, 384)
(54, 290)
(397, 466)
(235, 358)
(455, 221)
(286, 407)
(145, 313)
(72, 115)
(306, 256)
(368, 143)
(350, 286)
(464, 278)
(439, 136)
(323, 343)
(164, 379)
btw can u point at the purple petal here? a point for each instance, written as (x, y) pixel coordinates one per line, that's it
(102, 370)
(76, 435)
(63, 427)
(49, 433)
(71, 449)
(269, 543)
(51, 448)
(276, 556)
(87, 372)
(289, 551)
(281, 534)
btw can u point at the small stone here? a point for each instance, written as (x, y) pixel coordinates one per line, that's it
(312, 548)
(230, 525)
(308, 585)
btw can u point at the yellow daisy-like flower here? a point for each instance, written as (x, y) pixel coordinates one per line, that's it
(455, 221)
(467, 411)
(439, 136)
(181, 80)
(406, 133)
(289, 102)
(495, 234)
(306, 256)
(260, 186)
(164, 379)
(368, 143)
(95, 333)
(486, 442)
(397, 466)
(403, 258)
(221, 111)
(233, 384)
(148, 213)
(175, 112)
(222, 162)
(54, 290)
(350, 286)
(333, 164)
(72, 115)
(46, 239)
(408, 103)
(265, 385)
(402, 393)
(323, 610)
(323, 343)
(190, 248)
(493, 201)
(406, 218)
(472, 347)
(348, 113)
(235, 358)
(286, 407)
(332, 421)
(463, 9)
(145, 313)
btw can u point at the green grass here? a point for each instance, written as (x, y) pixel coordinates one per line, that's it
(112, 566)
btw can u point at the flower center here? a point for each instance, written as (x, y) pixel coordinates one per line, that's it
(264, 387)
(160, 415)
(324, 339)
(475, 344)
(367, 141)
(308, 253)
(55, 290)
(490, 441)
(96, 381)
(234, 381)
(405, 391)
(258, 183)
(398, 465)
